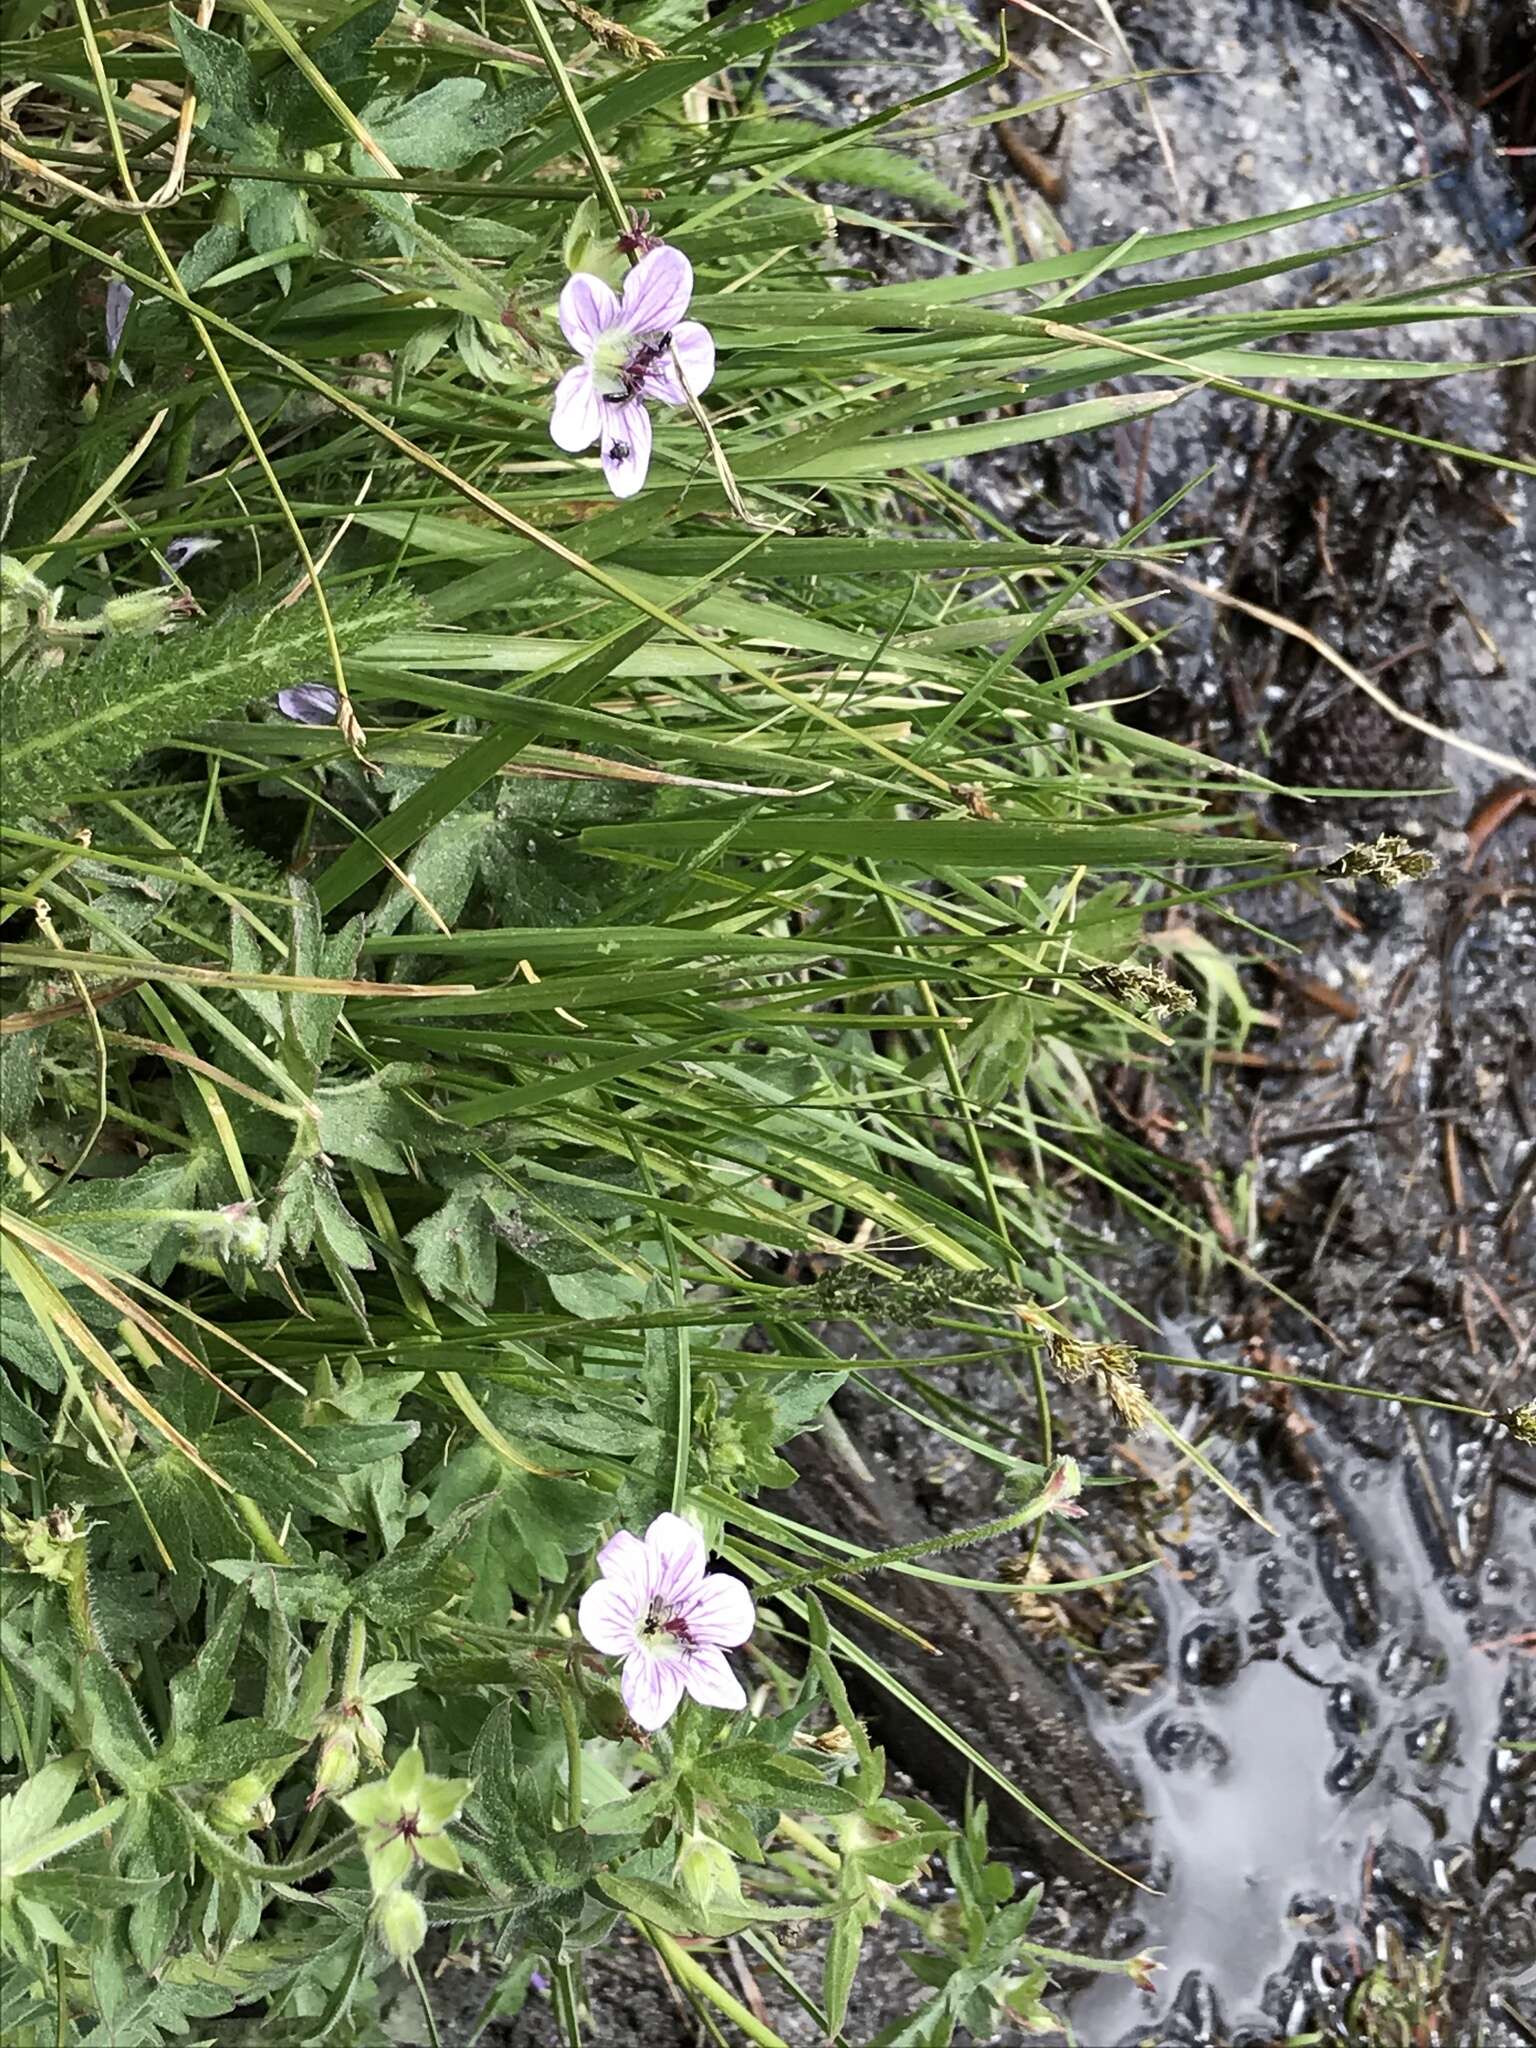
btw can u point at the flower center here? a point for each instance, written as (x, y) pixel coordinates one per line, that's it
(620, 360)
(609, 357)
(665, 1634)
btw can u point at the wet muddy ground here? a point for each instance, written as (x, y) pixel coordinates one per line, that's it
(1319, 1726)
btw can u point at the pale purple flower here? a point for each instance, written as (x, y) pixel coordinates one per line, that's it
(669, 1619)
(186, 547)
(119, 299)
(309, 704)
(633, 347)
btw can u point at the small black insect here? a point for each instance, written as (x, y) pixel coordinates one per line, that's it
(619, 451)
(645, 357)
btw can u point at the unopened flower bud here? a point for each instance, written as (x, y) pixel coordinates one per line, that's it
(243, 1804)
(946, 1924)
(336, 1771)
(17, 580)
(236, 1232)
(117, 1425)
(401, 1922)
(119, 304)
(706, 1871)
(589, 247)
(15, 623)
(139, 613)
(1063, 1484)
(857, 1833)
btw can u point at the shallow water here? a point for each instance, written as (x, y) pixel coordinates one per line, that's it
(1323, 1746)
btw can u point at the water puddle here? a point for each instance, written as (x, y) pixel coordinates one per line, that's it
(1326, 1754)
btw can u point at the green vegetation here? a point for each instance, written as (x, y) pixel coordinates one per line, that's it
(410, 1117)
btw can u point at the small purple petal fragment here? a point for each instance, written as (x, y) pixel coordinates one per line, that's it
(610, 1616)
(651, 1688)
(577, 419)
(185, 548)
(119, 299)
(692, 351)
(712, 1682)
(626, 446)
(657, 291)
(186, 545)
(309, 704)
(720, 1613)
(623, 1559)
(678, 1557)
(588, 310)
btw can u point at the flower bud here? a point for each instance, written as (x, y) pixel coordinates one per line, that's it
(590, 246)
(946, 1924)
(706, 1871)
(336, 1771)
(17, 580)
(242, 1805)
(118, 1426)
(370, 1731)
(1064, 1482)
(236, 1232)
(855, 1833)
(139, 612)
(401, 1923)
(15, 623)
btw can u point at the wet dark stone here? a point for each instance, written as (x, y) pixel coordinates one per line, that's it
(1349, 1709)
(1432, 1741)
(1314, 1911)
(1266, 1632)
(1177, 1742)
(1211, 1654)
(1352, 1770)
(1196, 2014)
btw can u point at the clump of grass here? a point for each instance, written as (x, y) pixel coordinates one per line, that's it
(399, 1109)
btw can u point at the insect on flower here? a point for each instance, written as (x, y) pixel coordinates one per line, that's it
(634, 347)
(670, 1620)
